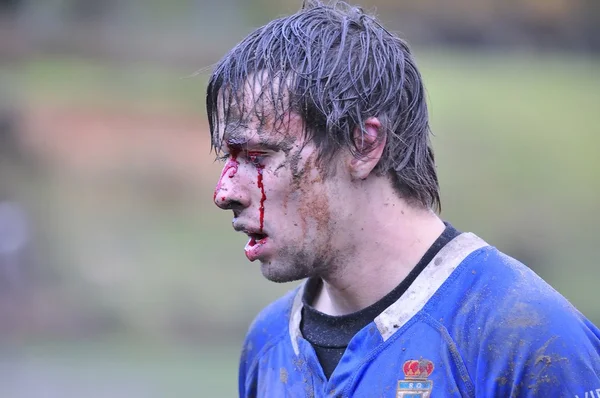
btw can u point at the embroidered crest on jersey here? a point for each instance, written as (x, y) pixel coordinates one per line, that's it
(415, 384)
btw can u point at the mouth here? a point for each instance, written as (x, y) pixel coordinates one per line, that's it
(257, 239)
(255, 246)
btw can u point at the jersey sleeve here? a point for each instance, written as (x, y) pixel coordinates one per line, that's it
(553, 352)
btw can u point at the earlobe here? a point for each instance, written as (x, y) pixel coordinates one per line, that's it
(370, 143)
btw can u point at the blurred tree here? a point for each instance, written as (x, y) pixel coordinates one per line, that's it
(589, 14)
(8, 130)
(90, 10)
(9, 6)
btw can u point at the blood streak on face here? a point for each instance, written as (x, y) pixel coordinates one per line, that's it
(232, 163)
(254, 157)
(260, 184)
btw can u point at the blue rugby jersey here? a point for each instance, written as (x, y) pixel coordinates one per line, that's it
(475, 323)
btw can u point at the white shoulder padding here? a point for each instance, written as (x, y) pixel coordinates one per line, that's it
(427, 283)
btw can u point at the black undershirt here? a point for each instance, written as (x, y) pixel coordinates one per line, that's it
(330, 335)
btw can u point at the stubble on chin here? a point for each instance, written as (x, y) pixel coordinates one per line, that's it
(288, 268)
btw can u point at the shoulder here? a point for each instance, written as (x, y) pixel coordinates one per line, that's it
(519, 336)
(501, 297)
(498, 288)
(268, 327)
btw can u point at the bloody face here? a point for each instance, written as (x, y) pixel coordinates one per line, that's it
(280, 197)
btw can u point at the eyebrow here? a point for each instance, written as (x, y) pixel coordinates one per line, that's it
(238, 139)
(274, 146)
(234, 136)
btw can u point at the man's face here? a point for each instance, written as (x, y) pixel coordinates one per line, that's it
(280, 197)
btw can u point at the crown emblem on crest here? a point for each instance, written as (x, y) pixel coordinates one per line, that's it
(417, 369)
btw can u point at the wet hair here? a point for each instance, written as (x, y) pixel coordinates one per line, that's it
(335, 66)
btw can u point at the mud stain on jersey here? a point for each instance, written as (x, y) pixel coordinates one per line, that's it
(542, 363)
(537, 369)
(523, 315)
(542, 350)
(298, 364)
(502, 381)
(283, 375)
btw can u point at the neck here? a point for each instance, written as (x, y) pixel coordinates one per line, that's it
(389, 240)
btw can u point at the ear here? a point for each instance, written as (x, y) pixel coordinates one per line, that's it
(370, 144)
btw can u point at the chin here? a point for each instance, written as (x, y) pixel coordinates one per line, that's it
(281, 273)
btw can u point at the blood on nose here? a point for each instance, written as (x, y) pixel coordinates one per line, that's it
(229, 170)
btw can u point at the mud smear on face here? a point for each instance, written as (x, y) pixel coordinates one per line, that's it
(298, 174)
(314, 210)
(286, 144)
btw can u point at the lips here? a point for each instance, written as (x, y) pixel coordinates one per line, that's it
(255, 246)
(257, 243)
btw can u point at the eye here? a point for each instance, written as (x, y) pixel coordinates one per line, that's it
(256, 158)
(223, 157)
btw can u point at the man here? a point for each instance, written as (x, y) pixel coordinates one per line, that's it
(321, 120)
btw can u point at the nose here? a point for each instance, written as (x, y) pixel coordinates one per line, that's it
(230, 192)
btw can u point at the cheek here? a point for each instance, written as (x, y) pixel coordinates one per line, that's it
(275, 185)
(286, 204)
(314, 207)
(297, 199)
(314, 211)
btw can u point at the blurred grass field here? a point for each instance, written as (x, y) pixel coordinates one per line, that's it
(114, 369)
(516, 138)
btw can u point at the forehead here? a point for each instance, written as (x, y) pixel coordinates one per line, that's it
(258, 112)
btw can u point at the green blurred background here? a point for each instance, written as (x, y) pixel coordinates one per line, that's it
(118, 275)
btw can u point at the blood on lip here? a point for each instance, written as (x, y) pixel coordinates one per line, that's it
(253, 248)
